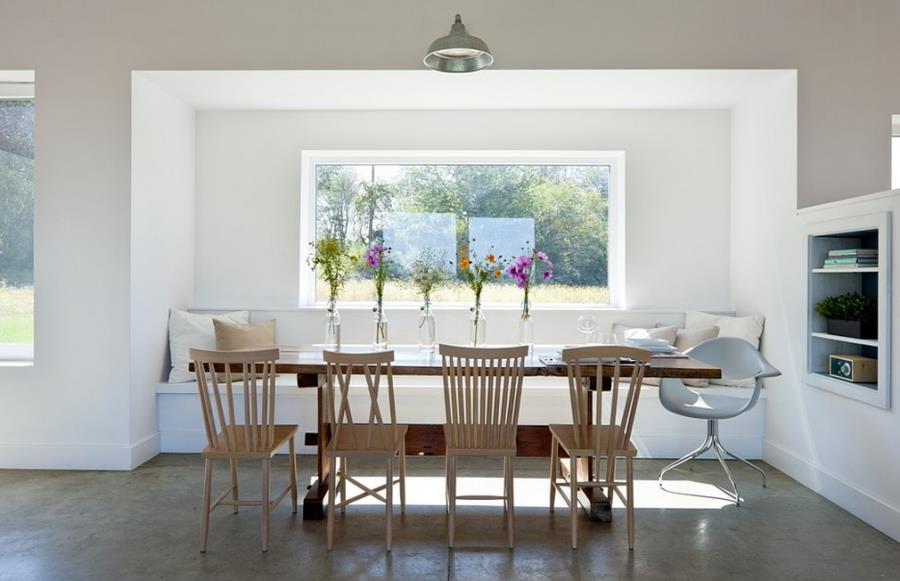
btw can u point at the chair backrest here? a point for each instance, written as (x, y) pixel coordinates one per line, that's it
(738, 359)
(579, 362)
(482, 394)
(341, 367)
(255, 372)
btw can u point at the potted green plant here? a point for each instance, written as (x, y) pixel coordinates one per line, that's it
(850, 315)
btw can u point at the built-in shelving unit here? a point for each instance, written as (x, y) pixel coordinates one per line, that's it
(870, 231)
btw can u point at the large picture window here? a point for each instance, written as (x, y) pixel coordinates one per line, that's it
(503, 205)
(16, 228)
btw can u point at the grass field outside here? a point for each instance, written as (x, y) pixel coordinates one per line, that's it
(456, 292)
(16, 314)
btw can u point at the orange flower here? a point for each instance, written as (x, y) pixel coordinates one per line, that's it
(497, 274)
(491, 259)
(464, 250)
(464, 263)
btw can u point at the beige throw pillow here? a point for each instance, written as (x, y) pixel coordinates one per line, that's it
(232, 337)
(687, 338)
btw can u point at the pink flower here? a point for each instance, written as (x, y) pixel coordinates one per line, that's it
(548, 274)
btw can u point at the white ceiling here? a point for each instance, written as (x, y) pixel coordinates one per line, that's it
(492, 89)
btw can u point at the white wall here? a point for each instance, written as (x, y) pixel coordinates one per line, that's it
(162, 246)
(676, 192)
(839, 447)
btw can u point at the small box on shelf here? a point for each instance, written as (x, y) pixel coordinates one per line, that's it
(853, 368)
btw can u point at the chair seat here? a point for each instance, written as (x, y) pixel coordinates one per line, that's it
(485, 450)
(584, 446)
(686, 402)
(282, 434)
(353, 441)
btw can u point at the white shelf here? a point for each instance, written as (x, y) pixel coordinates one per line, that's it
(824, 377)
(842, 339)
(845, 270)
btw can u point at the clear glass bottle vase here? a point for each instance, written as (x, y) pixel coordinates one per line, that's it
(526, 325)
(427, 328)
(333, 326)
(380, 338)
(477, 326)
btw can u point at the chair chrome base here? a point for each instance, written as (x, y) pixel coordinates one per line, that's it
(713, 443)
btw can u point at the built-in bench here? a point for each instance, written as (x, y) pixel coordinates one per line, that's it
(658, 433)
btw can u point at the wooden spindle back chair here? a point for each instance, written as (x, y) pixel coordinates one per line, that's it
(482, 397)
(593, 434)
(251, 434)
(371, 434)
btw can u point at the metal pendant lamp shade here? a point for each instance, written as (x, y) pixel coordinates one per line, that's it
(458, 52)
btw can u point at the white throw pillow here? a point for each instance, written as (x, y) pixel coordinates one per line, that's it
(194, 331)
(624, 332)
(748, 328)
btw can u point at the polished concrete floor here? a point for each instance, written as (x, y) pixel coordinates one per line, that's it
(145, 525)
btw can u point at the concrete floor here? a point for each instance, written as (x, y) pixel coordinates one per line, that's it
(145, 525)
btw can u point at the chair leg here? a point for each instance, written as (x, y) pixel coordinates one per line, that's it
(234, 485)
(447, 483)
(293, 466)
(389, 504)
(747, 462)
(510, 514)
(266, 465)
(505, 484)
(344, 472)
(573, 498)
(403, 478)
(706, 445)
(734, 488)
(629, 478)
(204, 510)
(451, 477)
(332, 500)
(554, 467)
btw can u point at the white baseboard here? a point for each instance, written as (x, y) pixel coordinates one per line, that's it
(78, 456)
(145, 449)
(872, 510)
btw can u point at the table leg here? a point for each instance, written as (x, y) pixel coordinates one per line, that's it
(313, 502)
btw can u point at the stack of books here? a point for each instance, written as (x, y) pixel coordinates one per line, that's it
(852, 258)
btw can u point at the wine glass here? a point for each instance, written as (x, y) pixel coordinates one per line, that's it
(587, 326)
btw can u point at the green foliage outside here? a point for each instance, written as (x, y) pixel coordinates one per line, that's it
(16, 221)
(569, 206)
(16, 314)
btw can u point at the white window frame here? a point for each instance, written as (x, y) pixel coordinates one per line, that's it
(16, 352)
(614, 159)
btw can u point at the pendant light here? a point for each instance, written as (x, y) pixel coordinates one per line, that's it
(458, 52)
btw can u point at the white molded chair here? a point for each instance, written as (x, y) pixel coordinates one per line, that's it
(737, 359)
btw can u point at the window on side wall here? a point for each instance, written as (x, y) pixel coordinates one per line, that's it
(16, 227)
(504, 204)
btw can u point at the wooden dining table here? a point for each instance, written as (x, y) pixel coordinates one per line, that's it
(428, 439)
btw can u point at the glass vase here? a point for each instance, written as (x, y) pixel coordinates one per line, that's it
(526, 326)
(426, 328)
(333, 326)
(381, 329)
(477, 327)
